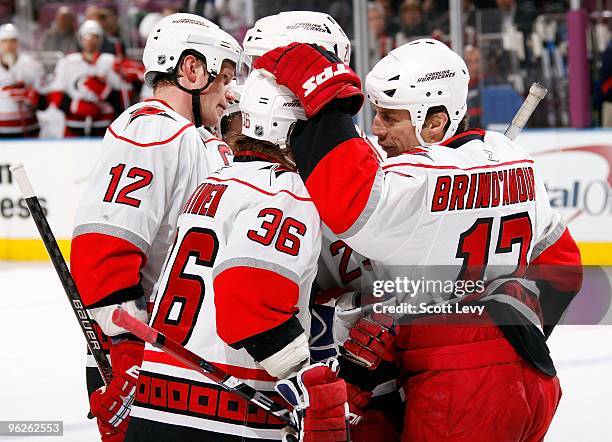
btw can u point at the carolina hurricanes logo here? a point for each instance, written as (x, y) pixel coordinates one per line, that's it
(148, 111)
(277, 169)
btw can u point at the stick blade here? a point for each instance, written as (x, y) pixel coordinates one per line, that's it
(121, 318)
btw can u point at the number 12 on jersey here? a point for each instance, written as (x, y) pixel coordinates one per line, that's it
(143, 178)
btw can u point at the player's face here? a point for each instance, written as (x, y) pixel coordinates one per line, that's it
(90, 43)
(214, 100)
(394, 130)
(8, 46)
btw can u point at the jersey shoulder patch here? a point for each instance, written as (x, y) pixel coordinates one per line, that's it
(148, 124)
(263, 178)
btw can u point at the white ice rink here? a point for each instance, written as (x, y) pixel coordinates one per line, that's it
(43, 355)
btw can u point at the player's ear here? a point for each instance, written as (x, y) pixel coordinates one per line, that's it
(189, 68)
(436, 124)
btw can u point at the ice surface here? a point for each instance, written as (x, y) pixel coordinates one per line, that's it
(42, 375)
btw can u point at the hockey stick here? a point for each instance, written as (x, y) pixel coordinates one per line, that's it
(536, 93)
(94, 344)
(148, 334)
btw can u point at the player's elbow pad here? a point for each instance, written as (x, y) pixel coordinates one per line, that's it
(104, 315)
(289, 360)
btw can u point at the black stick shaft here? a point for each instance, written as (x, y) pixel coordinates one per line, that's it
(48, 239)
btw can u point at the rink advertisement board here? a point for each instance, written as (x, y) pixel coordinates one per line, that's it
(58, 170)
(577, 171)
(576, 166)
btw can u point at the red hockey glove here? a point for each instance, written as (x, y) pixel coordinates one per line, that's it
(111, 404)
(314, 75)
(358, 400)
(84, 108)
(22, 93)
(371, 340)
(97, 86)
(319, 400)
(130, 70)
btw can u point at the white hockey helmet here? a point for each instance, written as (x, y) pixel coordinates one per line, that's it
(182, 32)
(8, 32)
(268, 110)
(90, 27)
(292, 26)
(420, 75)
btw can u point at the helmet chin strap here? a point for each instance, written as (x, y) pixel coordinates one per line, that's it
(417, 131)
(196, 107)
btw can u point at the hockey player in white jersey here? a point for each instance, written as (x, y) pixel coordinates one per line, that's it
(236, 290)
(153, 158)
(341, 270)
(20, 87)
(470, 200)
(86, 86)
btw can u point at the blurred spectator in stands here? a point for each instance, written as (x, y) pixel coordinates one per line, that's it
(234, 17)
(86, 86)
(511, 15)
(342, 12)
(411, 22)
(107, 18)
(205, 8)
(61, 36)
(20, 83)
(149, 21)
(380, 43)
(390, 8)
(507, 54)
(7, 10)
(473, 60)
(434, 18)
(606, 86)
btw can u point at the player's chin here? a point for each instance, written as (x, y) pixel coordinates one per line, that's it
(391, 151)
(220, 111)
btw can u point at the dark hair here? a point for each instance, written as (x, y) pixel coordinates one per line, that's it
(240, 143)
(464, 124)
(162, 79)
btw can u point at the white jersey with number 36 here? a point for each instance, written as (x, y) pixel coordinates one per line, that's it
(242, 265)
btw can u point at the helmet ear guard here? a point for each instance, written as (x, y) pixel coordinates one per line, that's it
(418, 76)
(269, 111)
